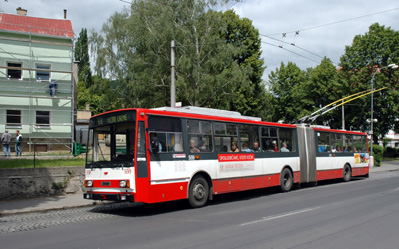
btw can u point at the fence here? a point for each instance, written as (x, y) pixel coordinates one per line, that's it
(44, 152)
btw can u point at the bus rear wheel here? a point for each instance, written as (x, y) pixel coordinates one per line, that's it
(198, 192)
(347, 173)
(286, 180)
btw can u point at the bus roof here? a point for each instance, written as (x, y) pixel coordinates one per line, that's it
(207, 111)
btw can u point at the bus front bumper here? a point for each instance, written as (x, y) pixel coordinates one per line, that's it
(109, 197)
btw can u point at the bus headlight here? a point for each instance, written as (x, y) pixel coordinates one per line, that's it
(124, 183)
(89, 183)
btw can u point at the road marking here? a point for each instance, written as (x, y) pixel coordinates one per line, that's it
(273, 217)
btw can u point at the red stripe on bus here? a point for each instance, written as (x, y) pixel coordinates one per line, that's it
(245, 183)
(110, 193)
(360, 171)
(168, 192)
(338, 173)
(106, 183)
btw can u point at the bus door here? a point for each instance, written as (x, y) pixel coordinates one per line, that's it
(141, 156)
(325, 155)
(307, 154)
(141, 163)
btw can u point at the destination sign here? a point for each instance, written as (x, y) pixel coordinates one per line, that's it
(113, 118)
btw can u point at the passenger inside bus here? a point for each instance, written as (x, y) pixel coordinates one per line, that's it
(234, 147)
(203, 147)
(321, 147)
(256, 147)
(274, 145)
(284, 148)
(154, 143)
(193, 146)
(245, 148)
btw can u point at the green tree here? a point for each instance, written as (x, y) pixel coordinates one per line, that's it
(82, 56)
(84, 72)
(286, 87)
(250, 99)
(368, 53)
(249, 96)
(102, 95)
(134, 49)
(321, 89)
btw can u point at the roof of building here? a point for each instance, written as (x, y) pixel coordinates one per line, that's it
(36, 25)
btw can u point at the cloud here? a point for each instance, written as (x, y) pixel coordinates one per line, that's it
(272, 17)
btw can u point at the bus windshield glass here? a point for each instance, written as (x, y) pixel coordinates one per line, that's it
(111, 145)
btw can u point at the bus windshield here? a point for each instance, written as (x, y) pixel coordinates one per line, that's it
(111, 146)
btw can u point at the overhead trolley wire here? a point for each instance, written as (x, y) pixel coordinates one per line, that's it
(336, 22)
(290, 51)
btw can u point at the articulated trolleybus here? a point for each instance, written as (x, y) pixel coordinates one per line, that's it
(165, 154)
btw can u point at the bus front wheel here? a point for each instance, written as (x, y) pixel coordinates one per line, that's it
(198, 192)
(347, 173)
(286, 180)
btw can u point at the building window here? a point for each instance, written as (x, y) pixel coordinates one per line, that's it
(42, 75)
(43, 118)
(14, 73)
(13, 118)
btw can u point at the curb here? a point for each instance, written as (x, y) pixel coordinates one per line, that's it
(27, 211)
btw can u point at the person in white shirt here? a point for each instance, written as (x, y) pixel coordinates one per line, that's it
(284, 149)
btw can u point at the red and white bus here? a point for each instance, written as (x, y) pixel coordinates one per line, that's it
(165, 154)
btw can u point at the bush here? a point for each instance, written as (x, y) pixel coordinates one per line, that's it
(391, 152)
(378, 152)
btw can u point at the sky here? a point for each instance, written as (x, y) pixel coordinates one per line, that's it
(325, 27)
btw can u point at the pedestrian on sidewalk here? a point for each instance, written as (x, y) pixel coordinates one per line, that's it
(18, 140)
(5, 140)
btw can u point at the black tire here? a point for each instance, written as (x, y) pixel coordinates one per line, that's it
(286, 180)
(198, 194)
(347, 173)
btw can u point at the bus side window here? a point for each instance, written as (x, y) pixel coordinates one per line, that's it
(199, 136)
(141, 146)
(167, 132)
(288, 140)
(270, 142)
(249, 138)
(225, 134)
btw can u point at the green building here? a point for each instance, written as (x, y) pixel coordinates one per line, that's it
(37, 81)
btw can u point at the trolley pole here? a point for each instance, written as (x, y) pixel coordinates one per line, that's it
(172, 76)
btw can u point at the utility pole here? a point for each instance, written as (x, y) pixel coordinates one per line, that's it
(343, 116)
(172, 76)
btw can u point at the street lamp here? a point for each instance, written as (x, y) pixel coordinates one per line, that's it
(393, 66)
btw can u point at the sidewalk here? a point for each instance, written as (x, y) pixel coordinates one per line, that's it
(76, 200)
(386, 166)
(45, 204)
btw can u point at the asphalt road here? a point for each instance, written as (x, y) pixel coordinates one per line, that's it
(363, 213)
